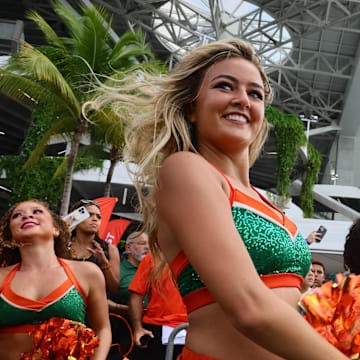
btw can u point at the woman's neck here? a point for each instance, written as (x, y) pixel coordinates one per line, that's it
(82, 238)
(38, 257)
(236, 167)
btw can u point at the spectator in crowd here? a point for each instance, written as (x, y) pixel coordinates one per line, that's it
(40, 283)
(308, 282)
(164, 311)
(318, 269)
(85, 245)
(352, 249)
(136, 247)
(314, 236)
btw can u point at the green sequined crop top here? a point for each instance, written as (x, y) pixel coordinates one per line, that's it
(18, 313)
(280, 254)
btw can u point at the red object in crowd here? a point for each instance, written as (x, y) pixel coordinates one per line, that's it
(115, 229)
(107, 205)
(110, 231)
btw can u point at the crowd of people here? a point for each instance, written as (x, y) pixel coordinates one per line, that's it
(223, 258)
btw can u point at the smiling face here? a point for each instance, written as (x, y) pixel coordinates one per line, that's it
(229, 110)
(30, 221)
(91, 224)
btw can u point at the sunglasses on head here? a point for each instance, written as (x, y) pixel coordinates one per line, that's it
(89, 202)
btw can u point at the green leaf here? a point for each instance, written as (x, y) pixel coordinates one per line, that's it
(46, 29)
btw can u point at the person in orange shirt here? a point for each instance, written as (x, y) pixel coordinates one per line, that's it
(165, 311)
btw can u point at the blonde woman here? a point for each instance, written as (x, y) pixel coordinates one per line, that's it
(239, 262)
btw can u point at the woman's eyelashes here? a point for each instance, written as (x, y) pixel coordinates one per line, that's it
(256, 94)
(19, 213)
(224, 85)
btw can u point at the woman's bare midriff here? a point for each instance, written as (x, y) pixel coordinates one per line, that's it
(12, 345)
(211, 332)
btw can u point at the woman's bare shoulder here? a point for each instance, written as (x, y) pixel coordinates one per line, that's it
(82, 267)
(183, 157)
(185, 165)
(4, 271)
(187, 169)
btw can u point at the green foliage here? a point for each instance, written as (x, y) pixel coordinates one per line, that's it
(38, 181)
(312, 169)
(289, 136)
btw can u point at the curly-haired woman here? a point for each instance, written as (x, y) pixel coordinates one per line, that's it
(39, 283)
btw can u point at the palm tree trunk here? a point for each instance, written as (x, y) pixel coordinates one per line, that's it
(79, 131)
(113, 162)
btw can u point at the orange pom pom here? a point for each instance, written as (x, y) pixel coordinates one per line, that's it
(334, 311)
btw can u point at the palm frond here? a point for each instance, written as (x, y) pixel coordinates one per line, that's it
(130, 53)
(94, 44)
(39, 67)
(136, 38)
(34, 156)
(61, 168)
(70, 17)
(31, 93)
(50, 35)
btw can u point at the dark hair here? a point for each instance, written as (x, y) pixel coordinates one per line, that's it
(352, 248)
(86, 203)
(318, 262)
(10, 253)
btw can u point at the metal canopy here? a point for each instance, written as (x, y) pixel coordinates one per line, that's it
(311, 70)
(309, 48)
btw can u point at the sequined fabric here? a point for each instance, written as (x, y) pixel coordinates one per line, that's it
(70, 306)
(271, 248)
(189, 281)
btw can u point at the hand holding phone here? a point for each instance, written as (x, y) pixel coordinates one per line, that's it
(322, 231)
(76, 217)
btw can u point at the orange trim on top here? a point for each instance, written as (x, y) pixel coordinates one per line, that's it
(202, 297)
(238, 195)
(179, 263)
(9, 277)
(197, 299)
(282, 280)
(264, 209)
(73, 279)
(37, 304)
(24, 302)
(187, 354)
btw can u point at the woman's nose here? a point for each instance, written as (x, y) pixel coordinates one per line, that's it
(241, 99)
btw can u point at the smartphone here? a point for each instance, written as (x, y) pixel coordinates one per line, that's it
(322, 231)
(76, 217)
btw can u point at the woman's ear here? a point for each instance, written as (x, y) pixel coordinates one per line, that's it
(190, 113)
(56, 232)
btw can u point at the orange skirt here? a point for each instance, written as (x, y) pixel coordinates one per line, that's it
(190, 355)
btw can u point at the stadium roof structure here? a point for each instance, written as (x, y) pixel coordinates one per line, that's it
(310, 50)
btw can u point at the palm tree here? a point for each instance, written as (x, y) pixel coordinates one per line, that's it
(61, 74)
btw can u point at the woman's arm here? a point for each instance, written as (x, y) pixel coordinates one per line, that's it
(202, 225)
(136, 309)
(110, 267)
(117, 308)
(112, 272)
(97, 310)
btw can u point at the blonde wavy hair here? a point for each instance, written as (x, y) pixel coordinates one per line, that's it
(155, 109)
